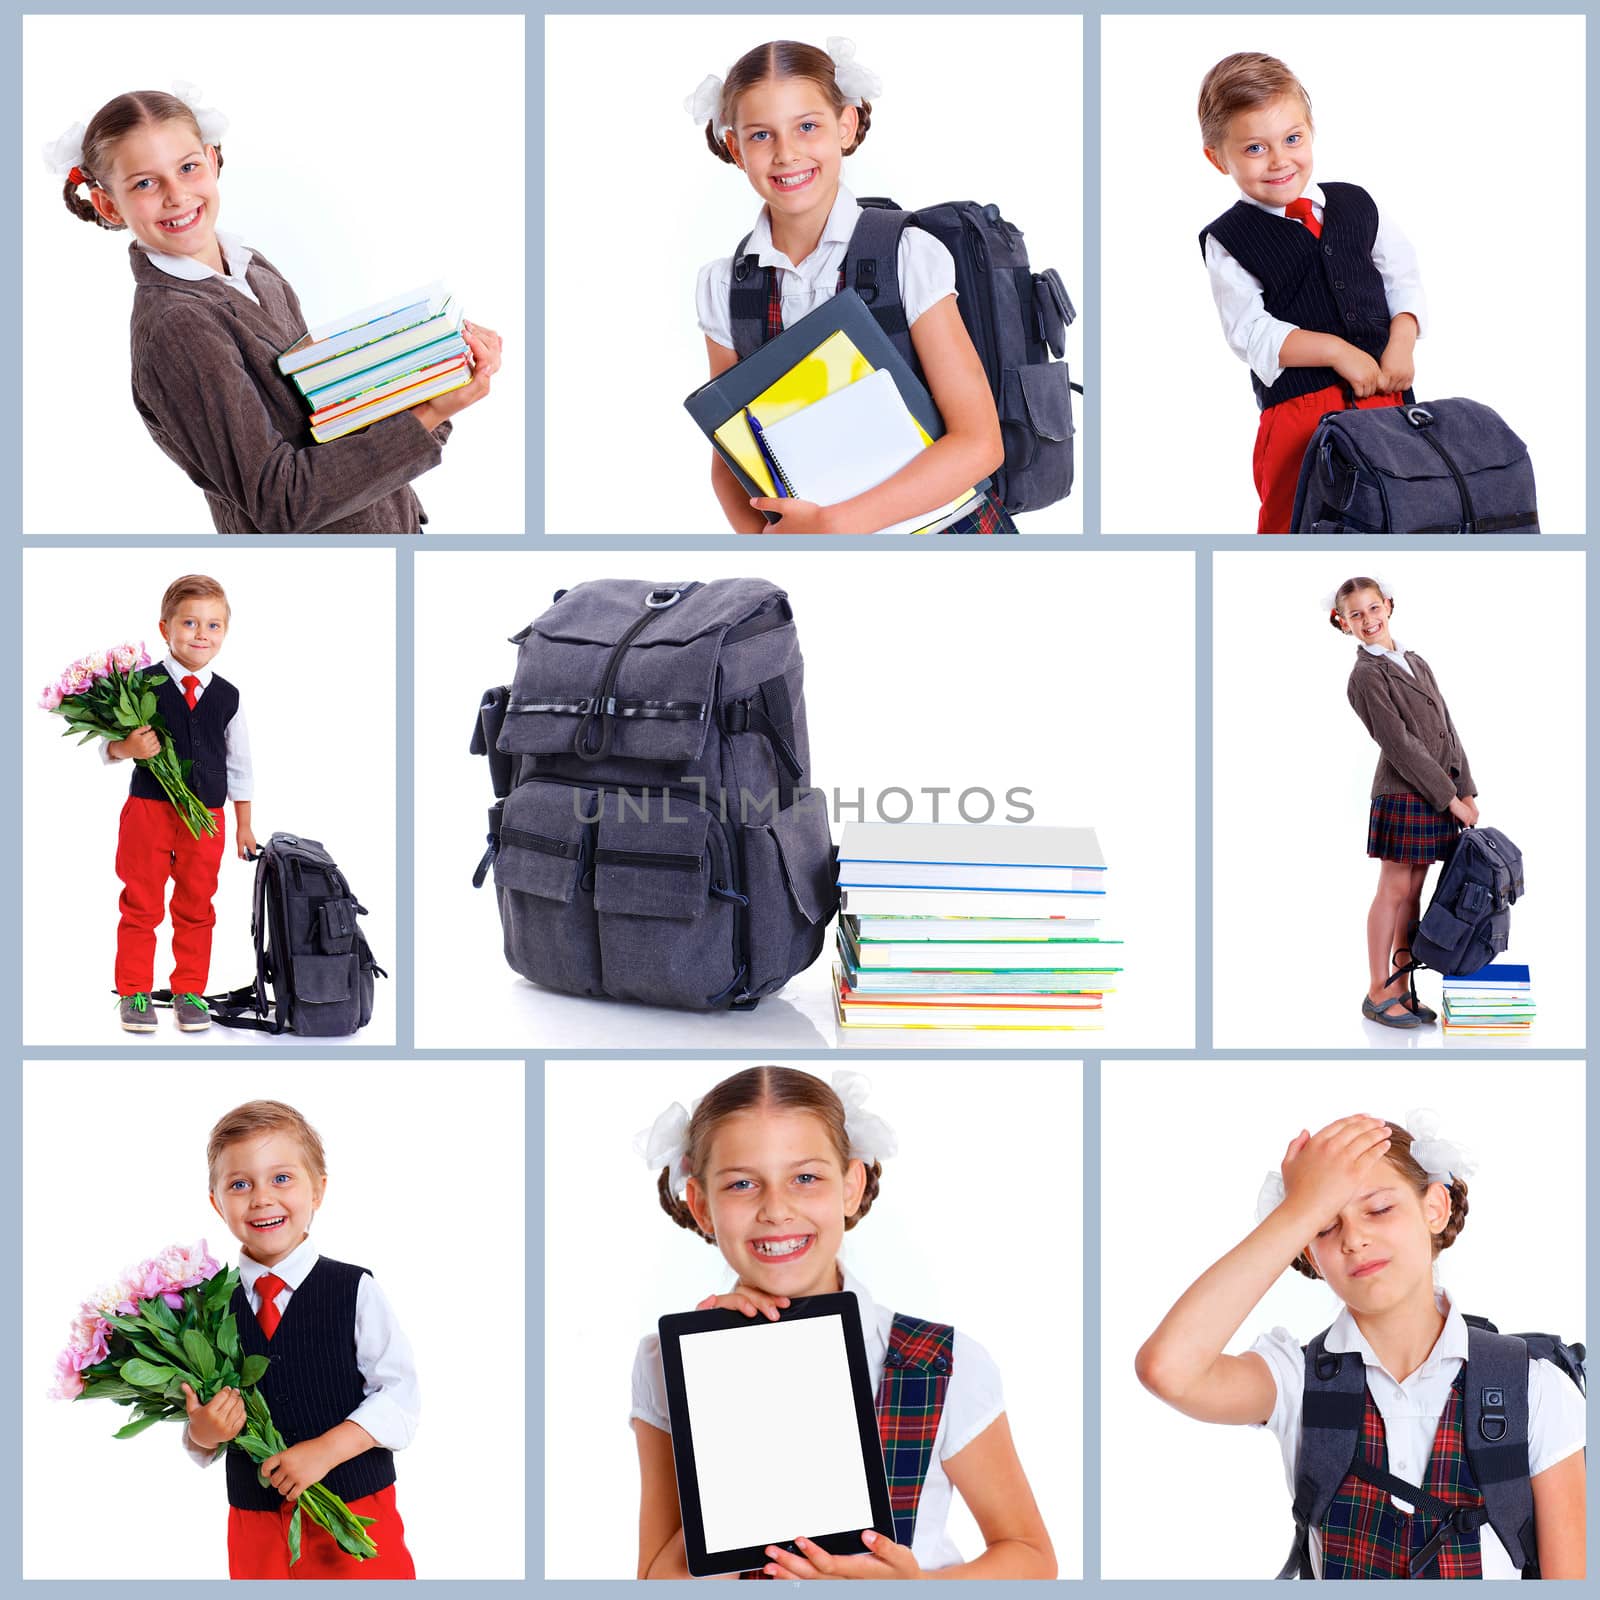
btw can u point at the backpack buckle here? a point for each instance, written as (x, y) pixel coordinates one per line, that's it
(1328, 1364)
(1419, 416)
(1492, 1421)
(867, 279)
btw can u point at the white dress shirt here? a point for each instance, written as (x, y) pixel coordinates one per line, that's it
(1411, 1408)
(235, 737)
(236, 257)
(388, 1371)
(973, 1400)
(1255, 335)
(927, 272)
(1397, 655)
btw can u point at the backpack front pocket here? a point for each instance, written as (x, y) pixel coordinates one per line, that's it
(665, 903)
(791, 882)
(544, 854)
(326, 1003)
(1037, 429)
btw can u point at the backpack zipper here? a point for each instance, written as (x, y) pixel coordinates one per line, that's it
(602, 701)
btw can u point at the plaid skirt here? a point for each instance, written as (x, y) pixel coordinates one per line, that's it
(987, 516)
(1404, 827)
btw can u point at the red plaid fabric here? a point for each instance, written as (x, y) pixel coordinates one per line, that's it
(775, 301)
(1365, 1536)
(1405, 827)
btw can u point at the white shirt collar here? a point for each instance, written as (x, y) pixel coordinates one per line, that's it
(236, 256)
(1311, 192)
(1396, 654)
(294, 1269)
(1451, 1344)
(837, 229)
(176, 670)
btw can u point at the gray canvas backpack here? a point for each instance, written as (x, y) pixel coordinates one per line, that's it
(654, 836)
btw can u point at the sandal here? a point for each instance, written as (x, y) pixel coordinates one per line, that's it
(1411, 1000)
(1374, 1012)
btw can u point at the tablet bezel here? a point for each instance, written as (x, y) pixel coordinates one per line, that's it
(705, 1563)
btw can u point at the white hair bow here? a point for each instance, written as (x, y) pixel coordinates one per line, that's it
(208, 119)
(706, 101)
(665, 1143)
(63, 154)
(856, 82)
(871, 1138)
(1443, 1160)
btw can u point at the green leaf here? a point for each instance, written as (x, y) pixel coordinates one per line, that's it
(228, 1338)
(228, 1378)
(294, 1536)
(255, 1368)
(147, 706)
(137, 1427)
(219, 1289)
(160, 1313)
(201, 1356)
(146, 1375)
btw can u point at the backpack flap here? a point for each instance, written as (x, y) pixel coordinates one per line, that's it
(1496, 1438)
(625, 669)
(1053, 311)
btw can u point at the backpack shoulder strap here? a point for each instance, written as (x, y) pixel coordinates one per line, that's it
(1496, 1437)
(1330, 1434)
(916, 1374)
(747, 301)
(872, 269)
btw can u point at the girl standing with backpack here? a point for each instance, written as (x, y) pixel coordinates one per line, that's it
(1422, 793)
(787, 115)
(1388, 1421)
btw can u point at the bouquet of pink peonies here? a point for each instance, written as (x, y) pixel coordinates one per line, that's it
(167, 1323)
(107, 696)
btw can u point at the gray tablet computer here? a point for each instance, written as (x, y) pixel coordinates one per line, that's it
(774, 1432)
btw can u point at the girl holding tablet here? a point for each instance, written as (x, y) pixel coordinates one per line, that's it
(773, 1167)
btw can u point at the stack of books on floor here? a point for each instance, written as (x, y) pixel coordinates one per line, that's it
(378, 361)
(971, 926)
(1493, 1002)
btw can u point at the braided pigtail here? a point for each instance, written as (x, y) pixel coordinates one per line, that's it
(677, 1208)
(863, 122)
(868, 1195)
(719, 147)
(1458, 1216)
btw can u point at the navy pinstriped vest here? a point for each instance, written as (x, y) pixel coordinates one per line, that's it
(1326, 285)
(198, 736)
(313, 1382)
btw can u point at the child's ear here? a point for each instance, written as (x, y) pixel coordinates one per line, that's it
(214, 1206)
(699, 1207)
(855, 1185)
(731, 144)
(849, 121)
(102, 202)
(1212, 157)
(1436, 1206)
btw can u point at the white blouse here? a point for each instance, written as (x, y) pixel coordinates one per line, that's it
(236, 257)
(972, 1401)
(1411, 1409)
(927, 272)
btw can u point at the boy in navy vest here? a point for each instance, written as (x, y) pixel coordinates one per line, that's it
(1318, 292)
(340, 1380)
(201, 712)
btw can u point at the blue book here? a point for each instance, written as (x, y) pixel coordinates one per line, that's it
(1497, 975)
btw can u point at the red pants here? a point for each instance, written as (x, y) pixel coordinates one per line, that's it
(258, 1544)
(153, 845)
(1281, 439)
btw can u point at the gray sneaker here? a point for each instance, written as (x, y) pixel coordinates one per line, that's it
(191, 1013)
(137, 1014)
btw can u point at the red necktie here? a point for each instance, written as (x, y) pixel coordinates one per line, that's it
(1299, 209)
(269, 1287)
(192, 683)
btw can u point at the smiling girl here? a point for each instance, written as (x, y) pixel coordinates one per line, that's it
(210, 318)
(786, 116)
(1385, 1420)
(1422, 792)
(773, 1168)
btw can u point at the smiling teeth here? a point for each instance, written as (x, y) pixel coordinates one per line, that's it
(790, 183)
(271, 1222)
(180, 222)
(784, 1247)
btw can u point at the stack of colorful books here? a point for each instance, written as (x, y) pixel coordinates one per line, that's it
(378, 361)
(971, 926)
(1493, 1002)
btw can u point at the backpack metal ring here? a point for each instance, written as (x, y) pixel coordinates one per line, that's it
(660, 599)
(1419, 416)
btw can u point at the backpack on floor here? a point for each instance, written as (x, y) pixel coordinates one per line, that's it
(1468, 920)
(654, 837)
(1494, 1428)
(314, 971)
(1017, 319)
(1451, 466)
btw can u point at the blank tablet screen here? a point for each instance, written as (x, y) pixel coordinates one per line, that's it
(777, 1447)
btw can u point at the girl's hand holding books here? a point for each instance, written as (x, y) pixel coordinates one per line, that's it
(219, 1421)
(484, 343)
(751, 1302)
(796, 516)
(884, 1559)
(1322, 1171)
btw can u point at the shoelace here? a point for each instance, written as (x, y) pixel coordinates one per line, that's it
(191, 1000)
(141, 1002)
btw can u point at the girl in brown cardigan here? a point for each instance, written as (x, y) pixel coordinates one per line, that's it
(1422, 793)
(208, 328)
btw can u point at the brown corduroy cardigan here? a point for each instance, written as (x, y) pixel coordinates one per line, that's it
(1422, 751)
(206, 382)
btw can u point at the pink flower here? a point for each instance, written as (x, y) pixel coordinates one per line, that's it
(52, 697)
(144, 656)
(183, 1266)
(68, 1385)
(126, 657)
(98, 664)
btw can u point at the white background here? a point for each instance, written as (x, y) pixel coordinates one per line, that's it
(350, 197)
(977, 1228)
(997, 671)
(630, 227)
(310, 648)
(1179, 1190)
(438, 1221)
(1422, 112)
(1293, 779)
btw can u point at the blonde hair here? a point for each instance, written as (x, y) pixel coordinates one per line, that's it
(112, 123)
(263, 1116)
(193, 586)
(1241, 83)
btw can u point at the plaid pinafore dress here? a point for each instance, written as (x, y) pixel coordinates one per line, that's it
(1365, 1536)
(916, 1375)
(985, 514)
